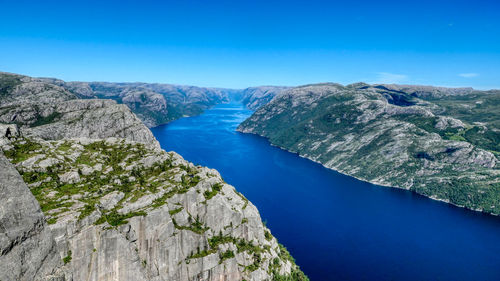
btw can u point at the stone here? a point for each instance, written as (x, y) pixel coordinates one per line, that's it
(27, 248)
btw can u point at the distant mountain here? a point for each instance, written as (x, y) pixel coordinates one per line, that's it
(443, 143)
(154, 104)
(157, 104)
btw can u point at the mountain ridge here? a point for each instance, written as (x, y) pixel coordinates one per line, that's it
(426, 139)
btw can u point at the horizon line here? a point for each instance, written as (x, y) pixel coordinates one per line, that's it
(257, 86)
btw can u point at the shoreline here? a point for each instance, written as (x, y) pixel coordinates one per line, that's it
(370, 182)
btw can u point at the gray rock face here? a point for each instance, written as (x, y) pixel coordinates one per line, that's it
(116, 206)
(7, 132)
(93, 119)
(190, 226)
(49, 111)
(27, 248)
(429, 91)
(425, 139)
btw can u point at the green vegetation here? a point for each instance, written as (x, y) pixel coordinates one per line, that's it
(87, 209)
(296, 274)
(242, 245)
(46, 120)
(55, 196)
(405, 144)
(8, 83)
(22, 150)
(201, 254)
(114, 218)
(175, 211)
(226, 255)
(80, 179)
(479, 136)
(67, 258)
(256, 251)
(197, 226)
(268, 235)
(216, 188)
(101, 168)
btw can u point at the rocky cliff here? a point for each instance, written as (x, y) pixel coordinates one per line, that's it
(27, 247)
(156, 104)
(153, 103)
(48, 111)
(442, 143)
(87, 194)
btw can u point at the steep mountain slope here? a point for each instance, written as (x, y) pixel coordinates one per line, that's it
(442, 143)
(153, 103)
(48, 111)
(115, 206)
(27, 249)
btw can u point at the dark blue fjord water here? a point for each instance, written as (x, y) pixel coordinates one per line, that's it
(336, 227)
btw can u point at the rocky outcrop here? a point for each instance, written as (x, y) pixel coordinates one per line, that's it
(427, 92)
(425, 139)
(27, 247)
(48, 111)
(93, 119)
(116, 206)
(118, 210)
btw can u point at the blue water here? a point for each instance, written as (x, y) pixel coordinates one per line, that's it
(336, 227)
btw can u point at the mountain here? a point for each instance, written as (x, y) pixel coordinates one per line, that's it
(49, 111)
(154, 104)
(157, 104)
(442, 143)
(86, 193)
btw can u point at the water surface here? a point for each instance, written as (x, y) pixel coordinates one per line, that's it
(337, 227)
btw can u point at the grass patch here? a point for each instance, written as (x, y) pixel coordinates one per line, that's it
(175, 211)
(67, 258)
(225, 255)
(216, 188)
(46, 120)
(196, 226)
(114, 218)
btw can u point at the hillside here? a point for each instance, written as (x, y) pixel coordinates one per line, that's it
(86, 193)
(154, 104)
(439, 142)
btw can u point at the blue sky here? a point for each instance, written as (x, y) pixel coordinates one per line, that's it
(246, 43)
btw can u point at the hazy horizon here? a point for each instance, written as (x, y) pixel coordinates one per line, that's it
(251, 86)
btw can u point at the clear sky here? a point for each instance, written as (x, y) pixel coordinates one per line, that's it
(247, 43)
